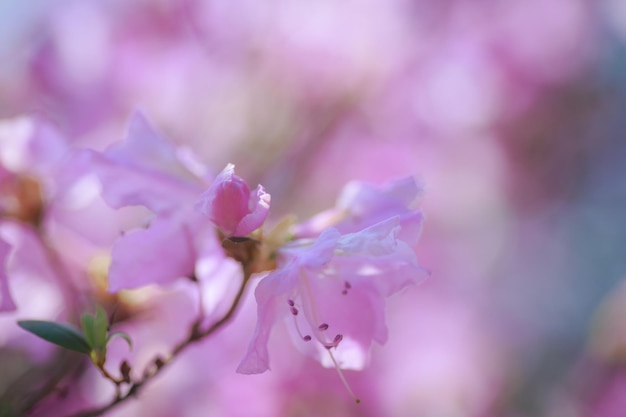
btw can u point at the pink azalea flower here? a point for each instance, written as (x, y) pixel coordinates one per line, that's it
(30, 146)
(333, 289)
(231, 205)
(145, 169)
(32, 154)
(361, 205)
(6, 301)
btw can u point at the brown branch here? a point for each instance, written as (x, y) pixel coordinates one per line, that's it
(196, 334)
(64, 366)
(59, 269)
(63, 363)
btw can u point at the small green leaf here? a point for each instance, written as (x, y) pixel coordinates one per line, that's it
(123, 336)
(87, 324)
(101, 328)
(60, 334)
(95, 328)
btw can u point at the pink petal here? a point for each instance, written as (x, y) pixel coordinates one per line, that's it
(321, 252)
(377, 254)
(145, 148)
(380, 202)
(412, 224)
(29, 145)
(131, 186)
(358, 316)
(144, 170)
(6, 301)
(377, 240)
(225, 203)
(279, 282)
(361, 205)
(156, 255)
(260, 204)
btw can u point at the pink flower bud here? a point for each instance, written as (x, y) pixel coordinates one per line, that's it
(231, 205)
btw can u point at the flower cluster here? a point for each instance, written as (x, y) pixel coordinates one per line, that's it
(327, 277)
(333, 289)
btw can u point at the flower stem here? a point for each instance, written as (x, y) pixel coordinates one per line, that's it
(196, 334)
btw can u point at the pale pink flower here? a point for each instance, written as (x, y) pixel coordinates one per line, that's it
(32, 155)
(231, 206)
(361, 205)
(333, 289)
(145, 169)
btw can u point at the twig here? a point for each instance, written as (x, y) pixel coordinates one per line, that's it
(64, 366)
(58, 267)
(63, 363)
(196, 334)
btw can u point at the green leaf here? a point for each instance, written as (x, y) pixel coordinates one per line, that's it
(60, 334)
(87, 324)
(101, 328)
(95, 328)
(123, 336)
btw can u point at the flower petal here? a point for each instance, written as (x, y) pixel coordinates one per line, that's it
(361, 205)
(260, 206)
(30, 145)
(358, 316)
(379, 256)
(6, 301)
(156, 255)
(225, 202)
(267, 295)
(144, 170)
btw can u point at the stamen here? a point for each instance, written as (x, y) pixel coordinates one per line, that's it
(294, 311)
(307, 338)
(322, 327)
(290, 302)
(309, 307)
(343, 378)
(295, 321)
(338, 338)
(346, 287)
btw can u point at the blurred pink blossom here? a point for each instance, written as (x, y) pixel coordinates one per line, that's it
(361, 205)
(145, 169)
(6, 301)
